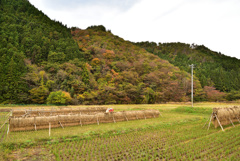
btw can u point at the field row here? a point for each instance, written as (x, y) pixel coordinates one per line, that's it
(102, 129)
(178, 135)
(187, 143)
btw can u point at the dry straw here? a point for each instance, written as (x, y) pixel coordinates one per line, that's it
(54, 112)
(225, 115)
(42, 122)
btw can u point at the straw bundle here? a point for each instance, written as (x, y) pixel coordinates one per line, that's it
(5, 110)
(225, 115)
(22, 124)
(40, 122)
(53, 112)
(106, 117)
(236, 111)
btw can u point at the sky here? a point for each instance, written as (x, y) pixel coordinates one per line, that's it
(212, 23)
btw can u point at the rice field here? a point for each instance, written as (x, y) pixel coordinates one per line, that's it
(177, 135)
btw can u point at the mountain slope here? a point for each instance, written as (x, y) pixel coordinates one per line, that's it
(26, 33)
(40, 56)
(127, 72)
(212, 68)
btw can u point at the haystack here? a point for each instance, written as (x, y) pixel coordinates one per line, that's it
(43, 122)
(54, 112)
(225, 115)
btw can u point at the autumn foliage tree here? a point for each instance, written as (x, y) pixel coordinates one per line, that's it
(213, 94)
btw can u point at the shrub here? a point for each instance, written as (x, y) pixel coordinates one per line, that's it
(59, 98)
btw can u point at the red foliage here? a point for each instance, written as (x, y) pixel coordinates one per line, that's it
(109, 54)
(213, 94)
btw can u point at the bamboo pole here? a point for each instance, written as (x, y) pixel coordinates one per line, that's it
(61, 124)
(8, 129)
(126, 117)
(144, 115)
(80, 120)
(231, 122)
(3, 124)
(114, 119)
(219, 122)
(160, 114)
(153, 115)
(210, 121)
(8, 115)
(206, 122)
(49, 129)
(97, 120)
(238, 120)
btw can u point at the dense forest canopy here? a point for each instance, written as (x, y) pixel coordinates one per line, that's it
(43, 61)
(213, 69)
(27, 36)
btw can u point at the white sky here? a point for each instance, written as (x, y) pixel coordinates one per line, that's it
(213, 23)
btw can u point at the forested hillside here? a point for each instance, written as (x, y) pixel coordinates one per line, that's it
(27, 36)
(125, 73)
(43, 61)
(213, 69)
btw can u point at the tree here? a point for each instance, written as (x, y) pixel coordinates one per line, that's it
(85, 74)
(42, 73)
(11, 81)
(50, 84)
(59, 98)
(3, 70)
(72, 91)
(233, 95)
(58, 57)
(95, 62)
(39, 95)
(213, 94)
(97, 28)
(149, 96)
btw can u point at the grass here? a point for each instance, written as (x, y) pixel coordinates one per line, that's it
(193, 110)
(177, 132)
(166, 106)
(102, 129)
(169, 116)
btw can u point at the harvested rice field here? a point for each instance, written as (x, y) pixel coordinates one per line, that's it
(176, 134)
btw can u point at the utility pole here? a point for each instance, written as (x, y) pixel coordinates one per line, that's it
(192, 66)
